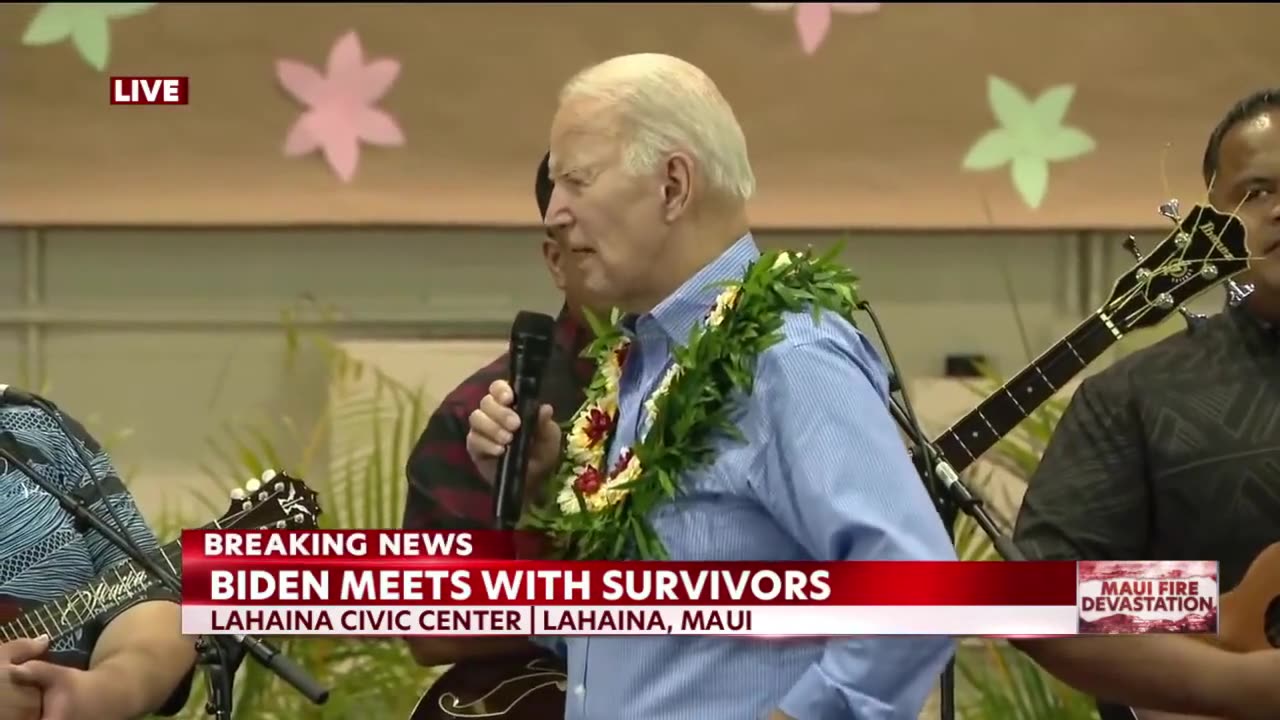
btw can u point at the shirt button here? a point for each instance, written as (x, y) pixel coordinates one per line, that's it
(580, 690)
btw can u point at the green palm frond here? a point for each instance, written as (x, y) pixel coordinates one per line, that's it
(353, 454)
(1003, 684)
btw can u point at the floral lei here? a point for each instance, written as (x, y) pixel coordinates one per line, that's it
(600, 513)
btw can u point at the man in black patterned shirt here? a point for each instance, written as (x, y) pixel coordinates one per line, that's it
(1173, 453)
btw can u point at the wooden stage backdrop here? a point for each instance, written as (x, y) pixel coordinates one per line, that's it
(858, 115)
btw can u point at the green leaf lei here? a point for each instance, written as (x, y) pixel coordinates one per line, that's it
(591, 518)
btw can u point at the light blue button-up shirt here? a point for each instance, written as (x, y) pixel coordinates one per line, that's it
(824, 475)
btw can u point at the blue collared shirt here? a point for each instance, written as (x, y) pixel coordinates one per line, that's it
(824, 475)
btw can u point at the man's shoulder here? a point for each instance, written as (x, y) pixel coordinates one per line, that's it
(32, 431)
(1164, 360)
(804, 334)
(24, 417)
(807, 342)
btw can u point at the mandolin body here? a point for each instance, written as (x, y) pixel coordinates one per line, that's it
(518, 688)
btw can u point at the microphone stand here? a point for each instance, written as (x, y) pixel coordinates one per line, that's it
(213, 655)
(220, 663)
(950, 494)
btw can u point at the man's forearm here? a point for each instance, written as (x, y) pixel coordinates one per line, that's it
(871, 678)
(1157, 672)
(140, 659)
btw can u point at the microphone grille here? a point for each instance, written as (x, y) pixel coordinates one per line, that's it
(533, 326)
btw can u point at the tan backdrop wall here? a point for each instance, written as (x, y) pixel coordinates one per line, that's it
(871, 130)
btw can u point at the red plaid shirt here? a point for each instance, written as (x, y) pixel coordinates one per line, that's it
(446, 492)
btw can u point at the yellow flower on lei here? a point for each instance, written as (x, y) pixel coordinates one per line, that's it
(724, 303)
(610, 493)
(651, 405)
(615, 489)
(579, 445)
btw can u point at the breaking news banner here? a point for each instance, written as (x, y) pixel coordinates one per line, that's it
(403, 583)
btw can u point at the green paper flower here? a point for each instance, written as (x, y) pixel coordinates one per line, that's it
(1030, 136)
(85, 23)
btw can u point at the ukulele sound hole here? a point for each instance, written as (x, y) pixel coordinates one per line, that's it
(1273, 622)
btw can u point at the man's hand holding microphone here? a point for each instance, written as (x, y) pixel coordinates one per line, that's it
(493, 427)
(514, 441)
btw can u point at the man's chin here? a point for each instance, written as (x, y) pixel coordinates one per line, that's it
(1266, 275)
(603, 294)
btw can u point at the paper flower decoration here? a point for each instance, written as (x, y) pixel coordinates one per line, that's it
(87, 24)
(1031, 135)
(340, 105)
(813, 20)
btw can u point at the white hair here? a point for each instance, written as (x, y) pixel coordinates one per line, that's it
(670, 105)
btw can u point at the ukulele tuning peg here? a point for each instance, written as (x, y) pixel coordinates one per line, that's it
(252, 485)
(1170, 210)
(1237, 293)
(237, 494)
(1192, 319)
(1131, 244)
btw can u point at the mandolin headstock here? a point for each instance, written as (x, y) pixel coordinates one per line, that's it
(275, 501)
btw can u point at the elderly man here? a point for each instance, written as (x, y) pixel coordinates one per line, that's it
(126, 663)
(652, 180)
(445, 490)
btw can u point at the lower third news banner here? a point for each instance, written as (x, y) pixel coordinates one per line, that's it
(401, 583)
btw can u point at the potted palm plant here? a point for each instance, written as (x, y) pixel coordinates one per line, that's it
(360, 485)
(996, 681)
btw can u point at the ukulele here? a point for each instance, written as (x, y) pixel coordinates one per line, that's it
(276, 502)
(1242, 618)
(1205, 249)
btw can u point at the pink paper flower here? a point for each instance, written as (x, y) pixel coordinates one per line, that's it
(340, 105)
(813, 19)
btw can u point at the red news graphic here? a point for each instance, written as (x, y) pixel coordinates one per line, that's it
(1127, 598)
(402, 583)
(150, 90)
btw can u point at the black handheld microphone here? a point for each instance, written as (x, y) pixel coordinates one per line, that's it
(531, 340)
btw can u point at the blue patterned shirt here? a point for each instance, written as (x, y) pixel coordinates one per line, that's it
(824, 475)
(43, 556)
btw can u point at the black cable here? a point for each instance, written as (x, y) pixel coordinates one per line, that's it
(86, 461)
(946, 509)
(925, 447)
(80, 510)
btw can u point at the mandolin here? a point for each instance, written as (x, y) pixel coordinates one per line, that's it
(1205, 249)
(276, 502)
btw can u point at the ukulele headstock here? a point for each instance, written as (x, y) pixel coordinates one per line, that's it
(1205, 248)
(275, 501)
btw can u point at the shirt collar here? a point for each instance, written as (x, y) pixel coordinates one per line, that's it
(691, 302)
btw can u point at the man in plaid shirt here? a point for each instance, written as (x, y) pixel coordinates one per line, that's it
(446, 492)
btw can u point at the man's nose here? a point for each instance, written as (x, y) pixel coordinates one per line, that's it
(1273, 210)
(558, 215)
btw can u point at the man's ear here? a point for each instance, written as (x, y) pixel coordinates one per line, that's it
(677, 186)
(552, 254)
